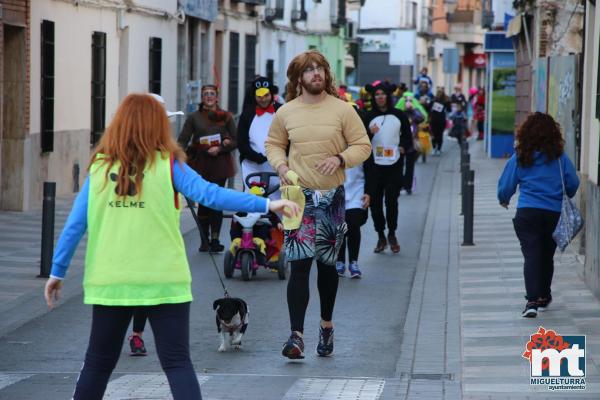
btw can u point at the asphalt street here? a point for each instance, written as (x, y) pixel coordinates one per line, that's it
(369, 319)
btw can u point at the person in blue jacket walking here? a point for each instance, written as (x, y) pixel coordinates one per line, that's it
(535, 169)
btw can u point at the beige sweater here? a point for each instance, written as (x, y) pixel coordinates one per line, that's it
(315, 132)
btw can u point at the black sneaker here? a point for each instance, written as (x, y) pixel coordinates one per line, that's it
(137, 346)
(203, 247)
(543, 303)
(325, 346)
(215, 246)
(531, 310)
(294, 347)
(381, 244)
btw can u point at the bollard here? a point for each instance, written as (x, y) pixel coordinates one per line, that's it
(464, 170)
(47, 229)
(469, 209)
(75, 177)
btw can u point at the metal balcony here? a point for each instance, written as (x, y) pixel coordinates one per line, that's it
(271, 14)
(298, 15)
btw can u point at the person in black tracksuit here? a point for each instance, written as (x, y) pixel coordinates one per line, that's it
(437, 119)
(389, 130)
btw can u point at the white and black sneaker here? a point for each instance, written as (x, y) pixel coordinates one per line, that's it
(531, 310)
(543, 303)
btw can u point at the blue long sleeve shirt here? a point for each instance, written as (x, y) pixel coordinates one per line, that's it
(185, 180)
(540, 184)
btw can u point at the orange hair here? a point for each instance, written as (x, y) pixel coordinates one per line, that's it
(297, 67)
(138, 130)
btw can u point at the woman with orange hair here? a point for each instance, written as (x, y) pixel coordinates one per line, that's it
(135, 257)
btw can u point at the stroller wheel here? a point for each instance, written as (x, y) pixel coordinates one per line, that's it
(246, 262)
(228, 264)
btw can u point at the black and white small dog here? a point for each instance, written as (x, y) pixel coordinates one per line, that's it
(232, 321)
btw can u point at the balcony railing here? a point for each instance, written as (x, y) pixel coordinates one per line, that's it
(271, 14)
(461, 16)
(298, 15)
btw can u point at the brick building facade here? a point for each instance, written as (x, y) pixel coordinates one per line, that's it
(14, 100)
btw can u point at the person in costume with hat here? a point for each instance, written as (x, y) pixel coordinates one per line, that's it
(391, 140)
(253, 129)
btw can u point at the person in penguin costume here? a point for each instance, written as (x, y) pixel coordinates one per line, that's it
(253, 129)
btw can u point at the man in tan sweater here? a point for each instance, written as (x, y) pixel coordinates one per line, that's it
(316, 135)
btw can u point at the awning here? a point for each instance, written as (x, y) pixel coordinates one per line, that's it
(514, 26)
(475, 60)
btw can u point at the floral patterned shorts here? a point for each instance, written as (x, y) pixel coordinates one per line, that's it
(323, 227)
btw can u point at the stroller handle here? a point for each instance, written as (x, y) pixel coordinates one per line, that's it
(264, 177)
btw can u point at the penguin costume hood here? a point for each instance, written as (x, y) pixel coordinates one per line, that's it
(388, 89)
(254, 119)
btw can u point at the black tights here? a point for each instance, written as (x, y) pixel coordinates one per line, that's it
(355, 218)
(170, 324)
(298, 291)
(210, 218)
(139, 320)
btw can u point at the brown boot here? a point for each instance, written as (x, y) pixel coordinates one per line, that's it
(381, 244)
(394, 246)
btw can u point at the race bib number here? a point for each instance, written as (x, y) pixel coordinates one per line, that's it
(387, 152)
(437, 107)
(211, 140)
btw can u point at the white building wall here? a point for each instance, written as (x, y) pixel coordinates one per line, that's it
(141, 29)
(234, 22)
(279, 46)
(382, 14)
(74, 26)
(319, 15)
(281, 40)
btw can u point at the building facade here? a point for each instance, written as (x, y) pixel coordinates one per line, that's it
(74, 62)
(589, 166)
(15, 141)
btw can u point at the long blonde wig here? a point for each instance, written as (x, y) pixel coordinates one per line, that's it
(297, 67)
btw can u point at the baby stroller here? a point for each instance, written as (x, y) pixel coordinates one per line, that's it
(255, 238)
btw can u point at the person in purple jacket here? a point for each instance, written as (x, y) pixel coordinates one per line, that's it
(535, 169)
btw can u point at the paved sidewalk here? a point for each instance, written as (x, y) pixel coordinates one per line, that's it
(21, 291)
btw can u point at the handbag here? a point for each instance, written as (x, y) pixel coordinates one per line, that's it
(570, 221)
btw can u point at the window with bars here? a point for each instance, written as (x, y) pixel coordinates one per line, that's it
(250, 62)
(154, 65)
(270, 67)
(98, 86)
(47, 87)
(234, 66)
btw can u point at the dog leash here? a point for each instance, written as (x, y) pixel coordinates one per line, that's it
(205, 238)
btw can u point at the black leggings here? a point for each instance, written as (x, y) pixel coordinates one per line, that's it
(437, 131)
(409, 160)
(534, 227)
(170, 324)
(139, 320)
(386, 183)
(355, 218)
(210, 218)
(298, 291)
